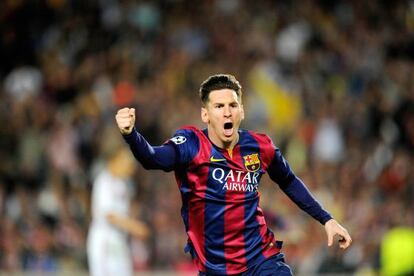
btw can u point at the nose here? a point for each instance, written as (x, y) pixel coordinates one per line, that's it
(227, 111)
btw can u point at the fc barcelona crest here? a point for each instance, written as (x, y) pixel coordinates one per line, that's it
(252, 162)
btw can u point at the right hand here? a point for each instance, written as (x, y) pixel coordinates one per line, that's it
(125, 118)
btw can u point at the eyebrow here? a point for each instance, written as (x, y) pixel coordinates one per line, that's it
(218, 102)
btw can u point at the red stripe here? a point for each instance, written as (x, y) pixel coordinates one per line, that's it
(234, 224)
(267, 149)
(196, 204)
(267, 153)
(268, 240)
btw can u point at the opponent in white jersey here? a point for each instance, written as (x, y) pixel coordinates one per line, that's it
(107, 246)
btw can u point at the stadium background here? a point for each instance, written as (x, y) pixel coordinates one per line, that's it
(330, 81)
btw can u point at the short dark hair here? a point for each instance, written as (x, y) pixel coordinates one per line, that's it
(217, 82)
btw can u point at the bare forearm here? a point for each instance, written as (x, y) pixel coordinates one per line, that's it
(132, 226)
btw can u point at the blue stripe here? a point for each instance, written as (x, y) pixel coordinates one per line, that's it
(252, 237)
(189, 149)
(185, 194)
(187, 153)
(214, 219)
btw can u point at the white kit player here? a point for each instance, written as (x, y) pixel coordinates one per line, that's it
(107, 246)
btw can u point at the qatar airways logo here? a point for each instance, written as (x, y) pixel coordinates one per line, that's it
(237, 180)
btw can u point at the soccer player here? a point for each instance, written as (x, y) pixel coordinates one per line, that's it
(107, 245)
(218, 171)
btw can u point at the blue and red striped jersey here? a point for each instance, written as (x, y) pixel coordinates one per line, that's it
(225, 225)
(227, 232)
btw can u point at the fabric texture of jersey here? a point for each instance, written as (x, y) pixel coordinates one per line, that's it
(225, 225)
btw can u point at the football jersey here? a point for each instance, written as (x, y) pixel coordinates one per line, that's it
(227, 232)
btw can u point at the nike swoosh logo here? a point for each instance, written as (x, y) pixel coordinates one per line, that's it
(212, 159)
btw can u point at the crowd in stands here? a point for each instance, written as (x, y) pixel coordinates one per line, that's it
(330, 81)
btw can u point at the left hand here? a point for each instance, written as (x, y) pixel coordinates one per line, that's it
(333, 228)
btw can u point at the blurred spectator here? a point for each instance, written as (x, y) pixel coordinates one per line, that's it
(109, 252)
(23, 82)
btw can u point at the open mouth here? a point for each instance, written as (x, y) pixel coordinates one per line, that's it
(228, 128)
(228, 125)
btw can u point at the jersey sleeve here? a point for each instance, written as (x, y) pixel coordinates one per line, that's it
(186, 144)
(279, 169)
(280, 172)
(162, 157)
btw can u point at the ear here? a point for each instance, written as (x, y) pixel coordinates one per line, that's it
(204, 115)
(242, 112)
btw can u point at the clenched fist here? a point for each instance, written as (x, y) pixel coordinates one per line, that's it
(125, 118)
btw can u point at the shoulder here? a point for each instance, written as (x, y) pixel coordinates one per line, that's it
(261, 138)
(186, 135)
(187, 142)
(189, 129)
(191, 132)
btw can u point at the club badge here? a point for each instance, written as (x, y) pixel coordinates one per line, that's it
(252, 162)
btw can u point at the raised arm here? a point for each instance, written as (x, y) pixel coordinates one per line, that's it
(162, 157)
(125, 118)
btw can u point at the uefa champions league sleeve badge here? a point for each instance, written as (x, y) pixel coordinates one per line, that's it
(178, 140)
